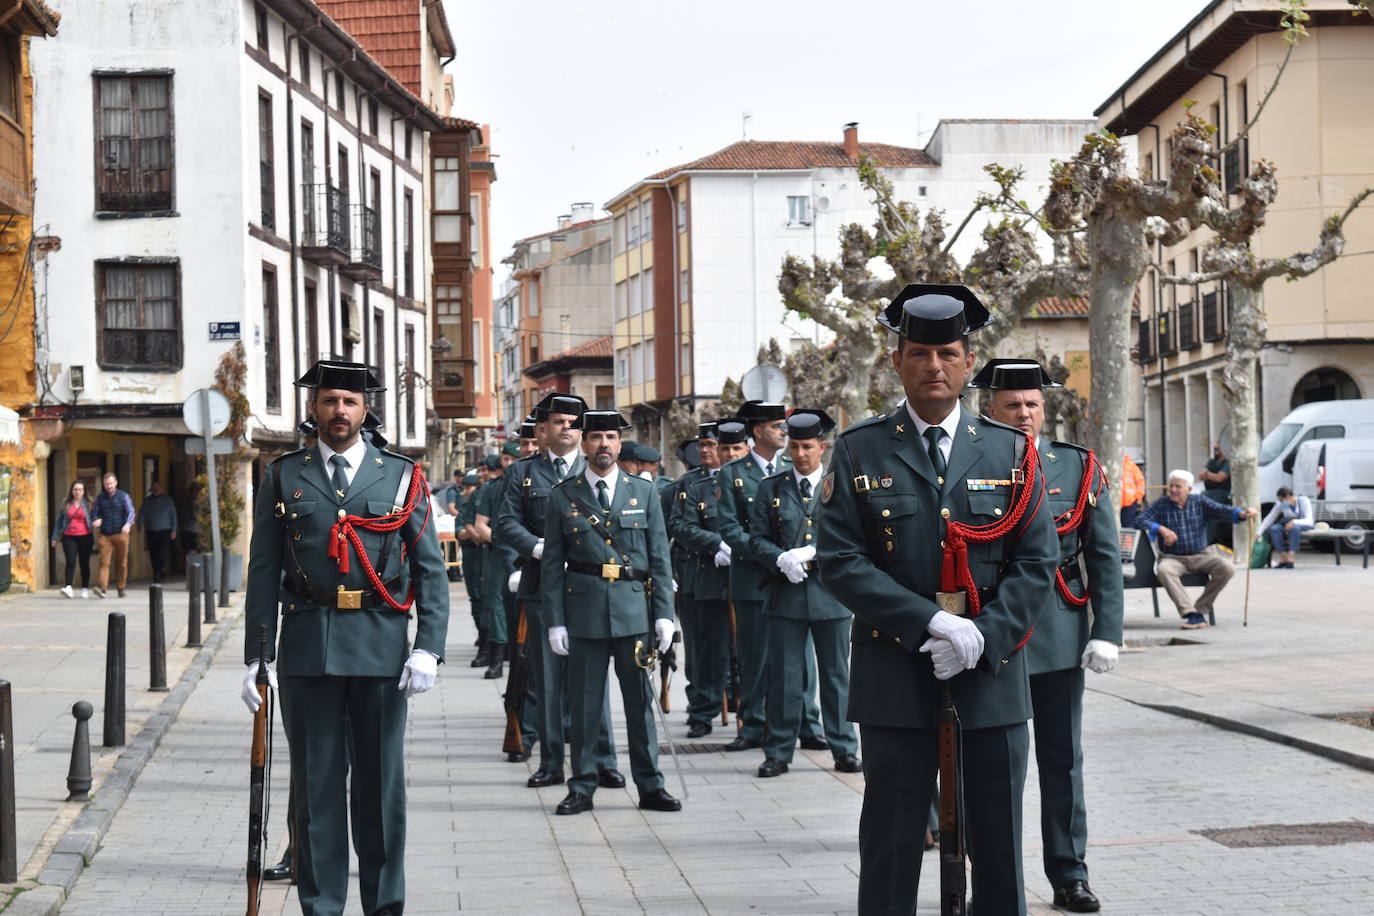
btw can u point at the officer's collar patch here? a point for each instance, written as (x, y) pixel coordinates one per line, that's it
(828, 487)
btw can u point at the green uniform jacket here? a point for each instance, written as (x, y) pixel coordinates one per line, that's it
(490, 497)
(891, 591)
(589, 606)
(675, 502)
(519, 520)
(696, 526)
(1063, 629)
(324, 640)
(739, 480)
(782, 520)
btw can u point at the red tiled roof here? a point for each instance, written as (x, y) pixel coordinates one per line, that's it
(799, 154)
(388, 30)
(600, 347)
(1071, 307)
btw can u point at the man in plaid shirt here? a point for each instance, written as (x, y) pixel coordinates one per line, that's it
(1178, 524)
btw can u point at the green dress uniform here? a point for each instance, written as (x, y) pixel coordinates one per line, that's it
(693, 525)
(494, 573)
(473, 560)
(339, 653)
(684, 575)
(882, 523)
(607, 596)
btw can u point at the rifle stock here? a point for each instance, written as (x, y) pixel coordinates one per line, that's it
(953, 881)
(736, 676)
(667, 665)
(517, 689)
(257, 779)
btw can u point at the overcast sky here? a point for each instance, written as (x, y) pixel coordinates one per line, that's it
(586, 98)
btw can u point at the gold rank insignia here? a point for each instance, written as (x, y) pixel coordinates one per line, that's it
(379, 461)
(340, 493)
(971, 430)
(901, 428)
(307, 456)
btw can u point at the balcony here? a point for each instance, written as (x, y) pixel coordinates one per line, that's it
(365, 257)
(1164, 333)
(1187, 327)
(1211, 318)
(16, 197)
(324, 225)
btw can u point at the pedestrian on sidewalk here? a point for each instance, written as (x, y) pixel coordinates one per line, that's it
(113, 516)
(1285, 523)
(1177, 524)
(159, 520)
(346, 663)
(73, 528)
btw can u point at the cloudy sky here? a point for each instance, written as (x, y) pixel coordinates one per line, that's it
(586, 98)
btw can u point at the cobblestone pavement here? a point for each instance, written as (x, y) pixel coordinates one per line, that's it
(481, 842)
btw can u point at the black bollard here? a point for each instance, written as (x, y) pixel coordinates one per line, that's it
(224, 577)
(79, 772)
(157, 642)
(207, 579)
(194, 575)
(9, 859)
(114, 681)
(193, 624)
(209, 603)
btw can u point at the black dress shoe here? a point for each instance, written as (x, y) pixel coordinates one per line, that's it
(521, 757)
(483, 657)
(815, 744)
(743, 744)
(496, 670)
(849, 763)
(771, 767)
(610, 779)
(658, 800)
(542, 778)
(574, 803)
(279, 872)
(1076, 897)
(698, 729)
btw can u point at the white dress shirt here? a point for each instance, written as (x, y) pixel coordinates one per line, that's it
(353, 456)
(764, 462)
(612, 478)
(814, 477)
(949, 425)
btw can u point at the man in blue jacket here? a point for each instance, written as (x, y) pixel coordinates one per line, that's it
(113, 516)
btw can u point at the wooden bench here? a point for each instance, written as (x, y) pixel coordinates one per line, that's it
(1136, 548)
(1336, 536)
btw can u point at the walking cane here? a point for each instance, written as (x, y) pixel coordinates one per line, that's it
(1249, 552)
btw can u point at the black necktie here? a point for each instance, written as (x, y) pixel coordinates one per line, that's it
(560, 467)
(937, 458)
(340, 478)
(768, 468)
(602, 496)
(806, 488)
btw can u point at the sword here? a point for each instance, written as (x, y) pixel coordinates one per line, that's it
(646, 660)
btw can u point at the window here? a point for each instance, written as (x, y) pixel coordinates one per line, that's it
(646, 221)
(649, 361)
(622, 302)
(377, 400)
(312, 322)
(479, 353)
(351, 334)
(342, 178)
(1148, 169)
(632, 227)
(372, 116)
(271, 340)
(682, 215)
(138, 314)
(618, 232)
(9, 77)
(339, 101)
(798, 211)
(133, 148)
(686, 356)
(408, 246)
(635, 299)
(636, 363)
(267, 182)
(533, 299)
(303, 57)
(448, 300)
(684, 287)
(921, 191)
(534, 349)
(647, 300)
(622, 367)
(1214, 116)
(410, 135)
(410, 380)
(448, 223)
(375, 180)
(260, 19)
(475, 208)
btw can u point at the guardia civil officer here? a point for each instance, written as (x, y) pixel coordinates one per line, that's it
(900, 489)
(699, 455)
(739, 481)
(607, 595)
(466, 528)
(343, 656)
(782, 534)
(1079, 629)
(520, 523)
(492, 654)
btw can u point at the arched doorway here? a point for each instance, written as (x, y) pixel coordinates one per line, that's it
(1324, 384)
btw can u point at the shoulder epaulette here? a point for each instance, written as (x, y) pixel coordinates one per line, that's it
(864, 424)
(1055, 443)
(290, 453)
(994, 424)
(405, 458)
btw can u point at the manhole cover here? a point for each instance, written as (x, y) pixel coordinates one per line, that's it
(1334, 834)
(693, 747)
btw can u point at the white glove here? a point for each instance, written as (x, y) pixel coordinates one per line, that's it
(791, 567)
(961, 633)
(419, 673)
(558, 640)
(943, 656)
(1099, 656)
(251, 698)
(724, 548)
(804, 554)
(663, 629)
(538, 551)
(513, 582)
(723, 554)
(674, 581)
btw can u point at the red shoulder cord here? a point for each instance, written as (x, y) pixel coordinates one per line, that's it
(1072, 518)
(344, 533)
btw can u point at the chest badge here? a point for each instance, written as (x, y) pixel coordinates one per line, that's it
(296, 494)
(634, 501)
(827, 487)
(885, 481)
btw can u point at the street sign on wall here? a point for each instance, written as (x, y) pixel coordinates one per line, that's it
(225, 330)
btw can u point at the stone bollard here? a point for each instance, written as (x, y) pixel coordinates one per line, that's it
(9, 858)
(157, 642)
(79, 772)
(114, 681)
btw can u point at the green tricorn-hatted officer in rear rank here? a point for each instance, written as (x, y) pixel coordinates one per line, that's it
(607, 598)
(782, 535)
(1079, 629)
(342, 546)
(932, 535)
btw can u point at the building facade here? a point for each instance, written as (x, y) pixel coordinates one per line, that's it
(1318, 132)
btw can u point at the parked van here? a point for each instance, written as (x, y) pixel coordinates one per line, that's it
(1338, 476)
(1349, 419)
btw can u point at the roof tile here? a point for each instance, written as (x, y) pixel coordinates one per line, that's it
(800, 154)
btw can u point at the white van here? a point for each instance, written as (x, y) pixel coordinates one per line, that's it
(1349, 419)
(1338, 476)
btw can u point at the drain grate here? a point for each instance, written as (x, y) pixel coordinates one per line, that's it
(693, 747)
(1333, 834)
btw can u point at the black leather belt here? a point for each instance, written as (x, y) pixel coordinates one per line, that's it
(340, 599)
(609, 571)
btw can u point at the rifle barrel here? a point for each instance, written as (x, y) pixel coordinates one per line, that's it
(953, 881)
(257, 778)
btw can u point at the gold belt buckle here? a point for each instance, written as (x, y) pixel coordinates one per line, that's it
(349, 600)
(955, 603)
(610, 571)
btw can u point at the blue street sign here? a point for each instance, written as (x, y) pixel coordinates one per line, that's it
(224, 330)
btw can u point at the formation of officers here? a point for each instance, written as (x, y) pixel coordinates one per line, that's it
(818, 582)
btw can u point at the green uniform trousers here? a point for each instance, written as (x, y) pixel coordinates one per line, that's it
(685, 607)
(900, 766)
(751, 631)
(788, 654)
(493, 588)
(587, 660)
(336, 725)
(549, 671)
(1057, 698)
(710, 651)
(473, 560)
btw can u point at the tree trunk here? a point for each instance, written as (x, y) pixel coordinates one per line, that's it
(1245, 335)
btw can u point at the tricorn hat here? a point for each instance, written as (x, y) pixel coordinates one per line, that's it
(689, 453)
(1012, 375)
(752, 412)
(935, 313)
(527, 427)
(372, 428)
(593, 421)
(809, 423)
(569, 404)
(731, 431)
(328, 373)
(707, 430)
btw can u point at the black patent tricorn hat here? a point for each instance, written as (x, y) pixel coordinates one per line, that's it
(707, 430)
(328, 373)
(762, 412)
(1012, 375)
(731, 431)
(593, 421)
(527, 427)
(935, 313)
(809, 423)
(569, 404)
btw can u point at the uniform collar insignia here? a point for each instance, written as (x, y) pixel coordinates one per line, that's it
(901, 428)
(972, 431)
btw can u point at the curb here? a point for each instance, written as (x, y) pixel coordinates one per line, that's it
(78, 845)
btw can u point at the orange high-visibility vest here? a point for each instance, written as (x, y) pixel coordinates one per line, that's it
(1132, 482)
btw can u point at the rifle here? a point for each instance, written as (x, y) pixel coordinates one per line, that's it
(259, 767)
(733, 693)
(953, 889)
(667, 665)
(517, 689)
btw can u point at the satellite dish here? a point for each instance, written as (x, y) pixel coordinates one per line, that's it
(822, 204)
(764, 383)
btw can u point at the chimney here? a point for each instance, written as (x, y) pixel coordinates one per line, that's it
(851, 139)
(582, 211)
(564, 221)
